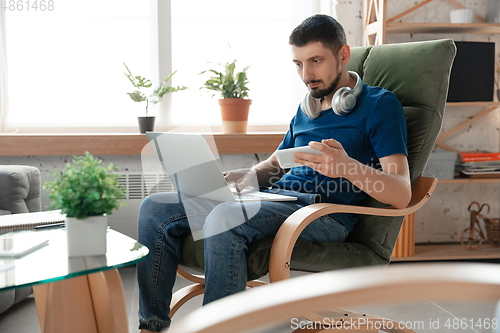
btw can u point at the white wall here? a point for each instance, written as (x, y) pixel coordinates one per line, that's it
(125, 219)
(128, 163)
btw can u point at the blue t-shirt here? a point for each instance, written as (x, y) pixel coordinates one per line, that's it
(375, 128)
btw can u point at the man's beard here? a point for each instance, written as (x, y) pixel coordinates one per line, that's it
(320, 93)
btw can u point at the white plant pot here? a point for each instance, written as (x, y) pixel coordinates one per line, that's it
(86, 237)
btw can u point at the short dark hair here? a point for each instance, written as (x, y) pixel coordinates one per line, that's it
(319, 28)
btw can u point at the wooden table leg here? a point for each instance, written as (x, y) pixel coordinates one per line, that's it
(65, 306)
(109, 301)
(85, 304)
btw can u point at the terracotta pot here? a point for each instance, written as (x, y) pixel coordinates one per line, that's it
(234, 113)
(146, 124)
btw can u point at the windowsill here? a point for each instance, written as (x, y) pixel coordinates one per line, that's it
(49, 144)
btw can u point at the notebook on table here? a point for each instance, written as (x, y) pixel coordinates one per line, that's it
(28, 221)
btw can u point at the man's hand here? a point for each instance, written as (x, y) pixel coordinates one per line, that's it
(241, 178)
(333, 163)
(390, 185)
(264, 174)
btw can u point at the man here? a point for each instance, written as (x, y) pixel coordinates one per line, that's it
(364, 153)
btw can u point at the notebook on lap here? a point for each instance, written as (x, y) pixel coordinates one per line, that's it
(193, 169)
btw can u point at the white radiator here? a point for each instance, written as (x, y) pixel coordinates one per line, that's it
(137, 187)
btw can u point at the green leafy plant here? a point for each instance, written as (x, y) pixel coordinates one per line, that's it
(142, 83)
(85, 188)
(228, 84)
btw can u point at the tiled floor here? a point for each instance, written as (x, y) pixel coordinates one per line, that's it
(432, 317)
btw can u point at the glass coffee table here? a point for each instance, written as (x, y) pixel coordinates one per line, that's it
(83, 294)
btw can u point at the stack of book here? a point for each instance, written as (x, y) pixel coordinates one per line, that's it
(479, 164)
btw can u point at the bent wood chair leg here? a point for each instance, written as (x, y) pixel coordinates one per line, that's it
(256, 283)
(190, 277)
(284, 242)
(181, 296)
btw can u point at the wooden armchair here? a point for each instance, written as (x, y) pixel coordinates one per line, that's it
(283, 301)
(418, 74)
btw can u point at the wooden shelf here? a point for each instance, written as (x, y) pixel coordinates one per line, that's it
(377, 24)
(123, 144)
(451, 252)
(469, 104)
(469, 28)
(468, 180)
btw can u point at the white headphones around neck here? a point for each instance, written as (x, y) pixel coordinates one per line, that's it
(343, 101)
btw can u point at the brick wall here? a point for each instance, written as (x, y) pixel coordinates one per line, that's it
(445, 216)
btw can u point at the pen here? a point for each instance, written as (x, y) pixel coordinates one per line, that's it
(49, 226)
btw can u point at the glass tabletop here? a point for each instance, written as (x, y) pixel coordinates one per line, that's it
(51, 263)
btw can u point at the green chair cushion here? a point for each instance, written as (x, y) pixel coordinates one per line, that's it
(418, 74)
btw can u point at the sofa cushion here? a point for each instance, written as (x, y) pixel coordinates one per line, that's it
(20, 192)
(20, 189)
(7, 299)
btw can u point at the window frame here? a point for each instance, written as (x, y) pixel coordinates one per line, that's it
(161, 63)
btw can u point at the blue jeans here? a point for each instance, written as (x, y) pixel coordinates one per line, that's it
(164, 219)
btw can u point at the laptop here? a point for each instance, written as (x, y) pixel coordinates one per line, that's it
(189, 163)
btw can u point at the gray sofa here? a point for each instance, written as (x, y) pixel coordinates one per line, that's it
(20, 188)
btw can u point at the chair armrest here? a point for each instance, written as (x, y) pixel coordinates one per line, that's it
(278, 302)
(281, 250)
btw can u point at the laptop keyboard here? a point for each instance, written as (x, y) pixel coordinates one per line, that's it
(249, 196)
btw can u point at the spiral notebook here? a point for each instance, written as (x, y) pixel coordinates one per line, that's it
(28, 221)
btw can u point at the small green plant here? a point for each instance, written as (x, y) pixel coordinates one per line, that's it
(142, 83)
(85, 188)
(228, 84)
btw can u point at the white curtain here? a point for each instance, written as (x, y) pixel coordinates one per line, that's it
(3, 72)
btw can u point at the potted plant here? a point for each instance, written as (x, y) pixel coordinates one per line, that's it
(86, 192)
(147, 123)
(233, 89)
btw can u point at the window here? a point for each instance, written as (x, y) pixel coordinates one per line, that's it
(255, 34)
(65, 66)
